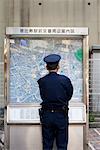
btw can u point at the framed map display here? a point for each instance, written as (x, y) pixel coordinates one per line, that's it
(26, 66)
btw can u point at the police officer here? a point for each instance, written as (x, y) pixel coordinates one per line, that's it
(55, 90)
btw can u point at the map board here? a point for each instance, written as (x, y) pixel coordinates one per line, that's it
(27, 66)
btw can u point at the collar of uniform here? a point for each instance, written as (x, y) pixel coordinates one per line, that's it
(52, 72)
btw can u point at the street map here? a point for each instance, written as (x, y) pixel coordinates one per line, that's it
(27, 66)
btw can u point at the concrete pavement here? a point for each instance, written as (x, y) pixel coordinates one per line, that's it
(94, 138)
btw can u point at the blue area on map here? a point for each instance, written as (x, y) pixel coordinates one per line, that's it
(24, 42)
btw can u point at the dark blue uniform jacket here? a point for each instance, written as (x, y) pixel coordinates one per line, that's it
(55, 89)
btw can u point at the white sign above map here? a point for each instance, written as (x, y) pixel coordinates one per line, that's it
(46, 31)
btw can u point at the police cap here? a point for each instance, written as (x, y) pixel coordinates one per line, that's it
(52, 59)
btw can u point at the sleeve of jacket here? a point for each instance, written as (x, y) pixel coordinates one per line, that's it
(41, 88)
(69, 88)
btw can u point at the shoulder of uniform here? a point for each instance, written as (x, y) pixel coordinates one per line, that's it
(38, 80)
(41, 79)
(63, 77)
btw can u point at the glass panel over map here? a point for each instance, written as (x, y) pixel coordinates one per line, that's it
(27, 66)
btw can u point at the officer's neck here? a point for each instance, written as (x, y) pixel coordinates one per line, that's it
(55, 71)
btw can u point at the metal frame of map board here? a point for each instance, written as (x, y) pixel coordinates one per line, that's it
(36, 32)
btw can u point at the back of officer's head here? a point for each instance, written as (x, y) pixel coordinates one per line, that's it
(52, 61)
(52, 66)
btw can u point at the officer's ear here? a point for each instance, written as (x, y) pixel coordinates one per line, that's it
(46, 67)
(58, 67)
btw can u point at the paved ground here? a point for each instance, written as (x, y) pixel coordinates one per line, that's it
(1, 140)
(94, 138)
